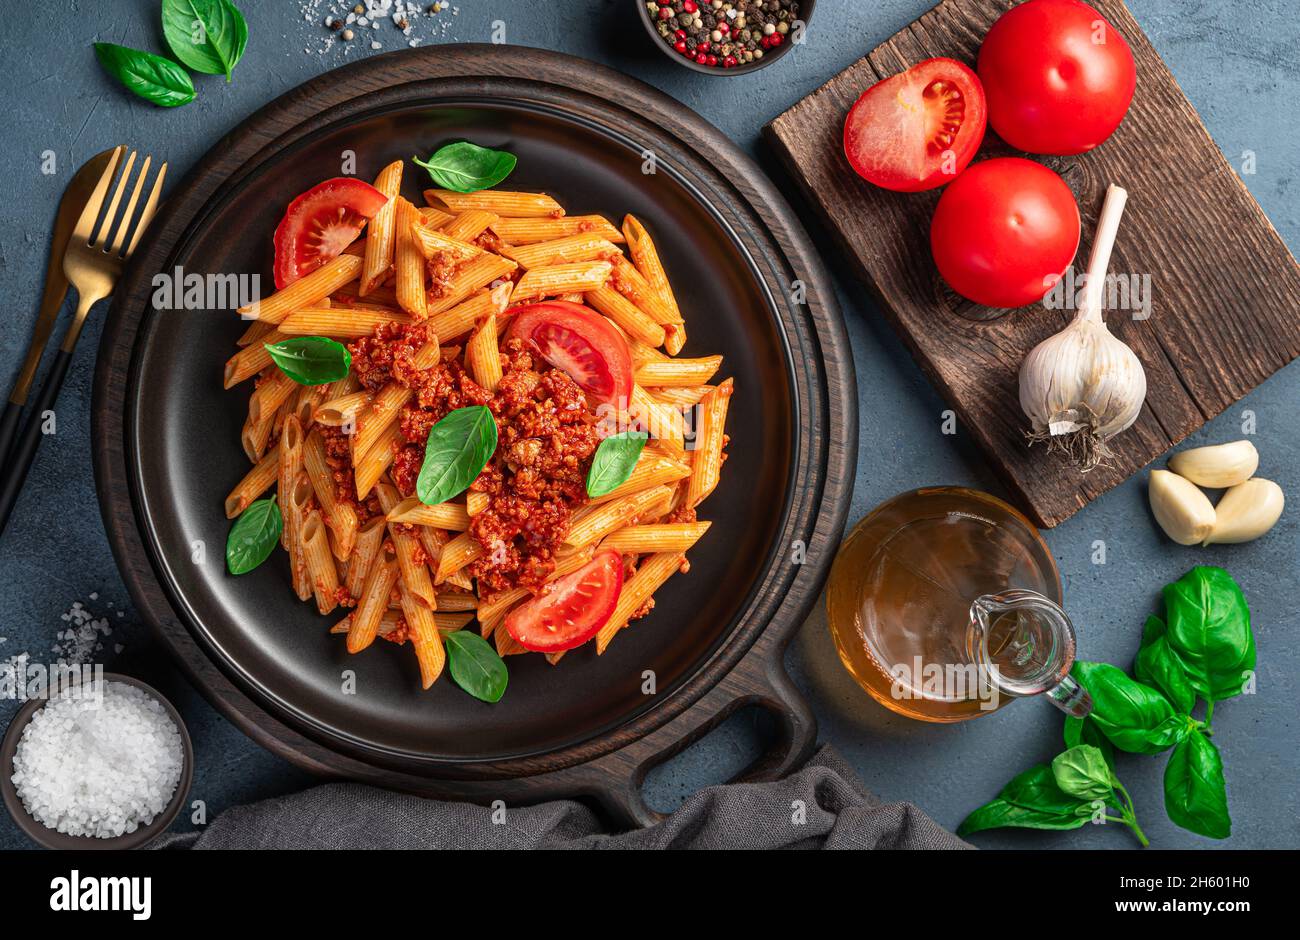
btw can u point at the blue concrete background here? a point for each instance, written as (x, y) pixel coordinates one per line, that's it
(1237, 63)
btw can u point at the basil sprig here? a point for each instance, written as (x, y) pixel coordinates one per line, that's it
(475, 666)
(459, 447)
(613, 461)
(311, 360)
(207, 35)
(253, 536)
(463, 167)
(1203, 649)
(150, 76)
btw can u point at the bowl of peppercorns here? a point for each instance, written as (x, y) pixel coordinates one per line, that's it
(725, 37)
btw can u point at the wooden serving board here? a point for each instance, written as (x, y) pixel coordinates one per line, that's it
(1225, 291)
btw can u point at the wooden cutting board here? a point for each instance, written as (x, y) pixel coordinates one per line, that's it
(1224, 289)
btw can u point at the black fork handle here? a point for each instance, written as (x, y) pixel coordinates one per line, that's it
(14, 473)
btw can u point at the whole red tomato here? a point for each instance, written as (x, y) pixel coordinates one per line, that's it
(1057, 76)
(1004, 232)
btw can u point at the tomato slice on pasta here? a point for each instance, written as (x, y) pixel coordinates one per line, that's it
(320, 223)
(572, 610)
(580, 342)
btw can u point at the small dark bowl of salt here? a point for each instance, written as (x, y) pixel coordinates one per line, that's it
(98, 771)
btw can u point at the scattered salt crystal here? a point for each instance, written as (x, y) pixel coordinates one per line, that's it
(98, 766)
(376, 45)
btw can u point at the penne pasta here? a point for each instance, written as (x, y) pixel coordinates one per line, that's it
(482, 355)
(651, 470)
(633, 321)
(408, 262)
(340, 517)
(469, 277)
(627, 280)
(650, 575)
(645, 258)
(308, 291)
(338, 322)
(665, 423)
(309, 398)
(456, 554)
(591, 524)
(442, 249)
(372, 422)
(706, 461)
(320, 563)
(381, 237)
(410, 556)
(455, 600)
(648, 539)
(507, 205)
(561, 279)
(476, 502)
(250, 360)
(373, 602)
(678, 372)
(377, 459)
(370, 537)
(297, 503)
(424, 636)
(680, 398)
(343, 411)
(450, 623)
(459, 320)
(581, 247)
(434, 218)
(467, 226)
(530, 231)
(256, 482)
(289, 467)
(442, 516)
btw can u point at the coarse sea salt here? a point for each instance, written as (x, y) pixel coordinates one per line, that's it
(98, 766)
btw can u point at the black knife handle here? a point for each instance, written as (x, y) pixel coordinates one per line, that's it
(14, 473)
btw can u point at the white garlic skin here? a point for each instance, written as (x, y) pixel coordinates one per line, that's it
(1182, 510)
(1083, 377)
(1246, 511)
(1217, 467)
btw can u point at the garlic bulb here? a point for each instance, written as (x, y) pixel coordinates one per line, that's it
(1083, 386)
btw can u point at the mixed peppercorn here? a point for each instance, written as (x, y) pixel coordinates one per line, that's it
(724, 33)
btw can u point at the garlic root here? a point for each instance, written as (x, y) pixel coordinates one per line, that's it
(1246, 511)
(1183, 511)
(1217, 467)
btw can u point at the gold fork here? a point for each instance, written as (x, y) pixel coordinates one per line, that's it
(92, 263)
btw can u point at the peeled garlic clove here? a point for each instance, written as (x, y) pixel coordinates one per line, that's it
(1216, 467)
(1182, 510)
(1246, 512)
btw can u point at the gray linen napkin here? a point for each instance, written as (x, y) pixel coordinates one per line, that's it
(822, 806)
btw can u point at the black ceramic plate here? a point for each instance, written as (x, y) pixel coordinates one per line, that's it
(179, 429)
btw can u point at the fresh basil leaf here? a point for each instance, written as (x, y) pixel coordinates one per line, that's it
(311, 360)
(1131, 714)
(459, 447)
(463, 167)
(1209, 629)
(1000, 814)
(1032, 800)
(1196, 796)
(475, 666)
(255, 533)
(1082, 772)
(207, 35)
(1084, 731)
(1158, 665)
(150, 76)
(613, 462)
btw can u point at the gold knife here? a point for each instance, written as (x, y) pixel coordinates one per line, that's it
(56, 289)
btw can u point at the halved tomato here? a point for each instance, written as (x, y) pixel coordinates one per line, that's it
(580, 342)
(919, 129)
(320, 223)
(573, 610)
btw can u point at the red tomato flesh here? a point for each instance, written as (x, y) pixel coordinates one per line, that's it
(1005, 231)
(580, 342)
(320, 223)
(574, 608)
(919, 129)
(1059, 78)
